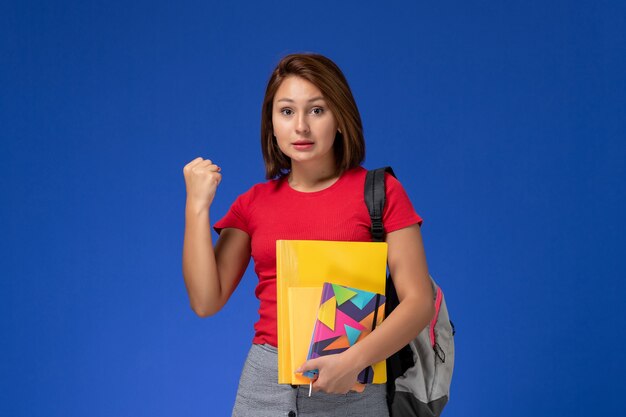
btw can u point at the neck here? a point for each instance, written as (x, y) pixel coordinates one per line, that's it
(312, 177)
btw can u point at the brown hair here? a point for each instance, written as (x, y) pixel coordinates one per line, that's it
(349, 145)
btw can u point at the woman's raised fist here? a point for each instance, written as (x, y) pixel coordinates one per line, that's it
(202, 177)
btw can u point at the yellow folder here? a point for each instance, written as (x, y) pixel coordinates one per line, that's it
(302, 267)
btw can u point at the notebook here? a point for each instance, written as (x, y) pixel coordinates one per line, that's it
(345, 316)
(303, 266)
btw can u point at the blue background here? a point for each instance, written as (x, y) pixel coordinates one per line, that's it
(504, 120)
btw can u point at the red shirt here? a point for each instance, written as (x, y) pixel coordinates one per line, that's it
(273, 210)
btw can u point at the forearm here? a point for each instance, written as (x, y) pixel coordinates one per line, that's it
(199, 265)
(407, 320)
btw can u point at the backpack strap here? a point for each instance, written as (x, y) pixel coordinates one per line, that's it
(375, 197)
(404, 359)
(375, 200)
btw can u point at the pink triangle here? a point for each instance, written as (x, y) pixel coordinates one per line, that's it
(341, 319)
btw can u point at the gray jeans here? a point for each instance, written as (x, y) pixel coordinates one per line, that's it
(260, 395)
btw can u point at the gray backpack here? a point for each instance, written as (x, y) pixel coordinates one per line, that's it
(419, 375)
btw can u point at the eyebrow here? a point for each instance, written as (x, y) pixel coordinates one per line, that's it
(291, 101)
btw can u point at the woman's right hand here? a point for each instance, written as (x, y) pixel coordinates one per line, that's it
(202, 177)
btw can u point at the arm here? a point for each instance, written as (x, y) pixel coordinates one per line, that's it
(407, 264)
(211, 274)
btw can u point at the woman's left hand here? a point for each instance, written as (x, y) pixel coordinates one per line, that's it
(336, 374)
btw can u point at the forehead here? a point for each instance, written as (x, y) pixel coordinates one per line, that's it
(297, 89)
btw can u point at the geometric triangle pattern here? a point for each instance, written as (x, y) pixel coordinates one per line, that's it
(327, 312)
(323, 332)
(352, 333)
(341, 342)
(362, 298)
(343, 294)
(345, 316)
(370, 317)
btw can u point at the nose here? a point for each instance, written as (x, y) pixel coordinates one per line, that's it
(302, 125)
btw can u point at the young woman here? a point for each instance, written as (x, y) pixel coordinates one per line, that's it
(313, 147)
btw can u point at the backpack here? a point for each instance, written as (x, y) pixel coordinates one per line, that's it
(419, 375)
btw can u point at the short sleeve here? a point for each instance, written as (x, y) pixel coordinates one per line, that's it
(236, 216)
(398, 212)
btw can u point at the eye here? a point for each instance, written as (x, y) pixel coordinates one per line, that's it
(317, 110)
(286, 111)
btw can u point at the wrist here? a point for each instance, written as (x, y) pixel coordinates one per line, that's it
(195, 207)
(355, 358)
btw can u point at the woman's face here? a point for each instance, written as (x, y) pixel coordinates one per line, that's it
(303, 124)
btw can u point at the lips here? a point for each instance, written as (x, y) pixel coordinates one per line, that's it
(302, 145)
